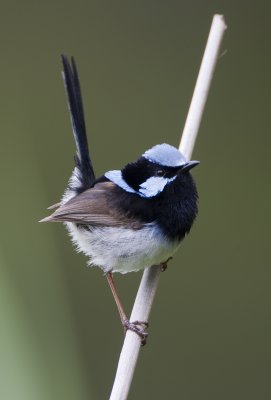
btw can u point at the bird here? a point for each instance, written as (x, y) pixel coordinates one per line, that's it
(128, 219)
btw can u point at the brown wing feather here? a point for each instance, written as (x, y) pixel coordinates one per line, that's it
(91, 208)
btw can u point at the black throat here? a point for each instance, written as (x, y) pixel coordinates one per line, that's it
(174, 209)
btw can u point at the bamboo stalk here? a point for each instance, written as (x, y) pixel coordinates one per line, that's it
(148, 286)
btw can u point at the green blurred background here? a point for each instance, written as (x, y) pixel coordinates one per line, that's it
(210, 328)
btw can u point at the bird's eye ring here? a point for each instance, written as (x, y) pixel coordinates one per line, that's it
(160, 172)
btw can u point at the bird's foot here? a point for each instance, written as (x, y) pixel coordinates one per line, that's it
(163, 265)
(139, 327)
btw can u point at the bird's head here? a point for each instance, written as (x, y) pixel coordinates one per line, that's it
(157, 168)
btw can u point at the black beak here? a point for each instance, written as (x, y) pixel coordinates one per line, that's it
(189, 165)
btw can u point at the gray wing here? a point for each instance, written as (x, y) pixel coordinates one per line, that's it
(92, 207)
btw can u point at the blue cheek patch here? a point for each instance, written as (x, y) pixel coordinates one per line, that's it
(153, 186)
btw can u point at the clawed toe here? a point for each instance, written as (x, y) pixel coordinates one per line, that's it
(142, 323)
(139, 327)
(163, 265)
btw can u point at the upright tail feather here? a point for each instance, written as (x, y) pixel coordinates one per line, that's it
(85, 173)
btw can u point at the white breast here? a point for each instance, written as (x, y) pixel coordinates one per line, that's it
(120, 249)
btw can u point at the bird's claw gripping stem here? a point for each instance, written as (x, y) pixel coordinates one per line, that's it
(163, 265)
(139, 327)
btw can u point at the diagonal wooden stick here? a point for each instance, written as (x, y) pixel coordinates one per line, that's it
(148, 286)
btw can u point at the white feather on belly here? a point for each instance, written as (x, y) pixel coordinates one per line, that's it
(120, 249)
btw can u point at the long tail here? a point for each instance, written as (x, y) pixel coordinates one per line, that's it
(85, 176)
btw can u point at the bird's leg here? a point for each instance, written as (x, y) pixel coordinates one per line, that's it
(163, 265)
(139, 327)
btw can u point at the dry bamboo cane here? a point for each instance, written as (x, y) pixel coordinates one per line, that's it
(148, 286)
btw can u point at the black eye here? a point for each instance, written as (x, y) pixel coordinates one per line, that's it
(160, 172)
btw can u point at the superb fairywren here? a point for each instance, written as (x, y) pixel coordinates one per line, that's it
(127, 219)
